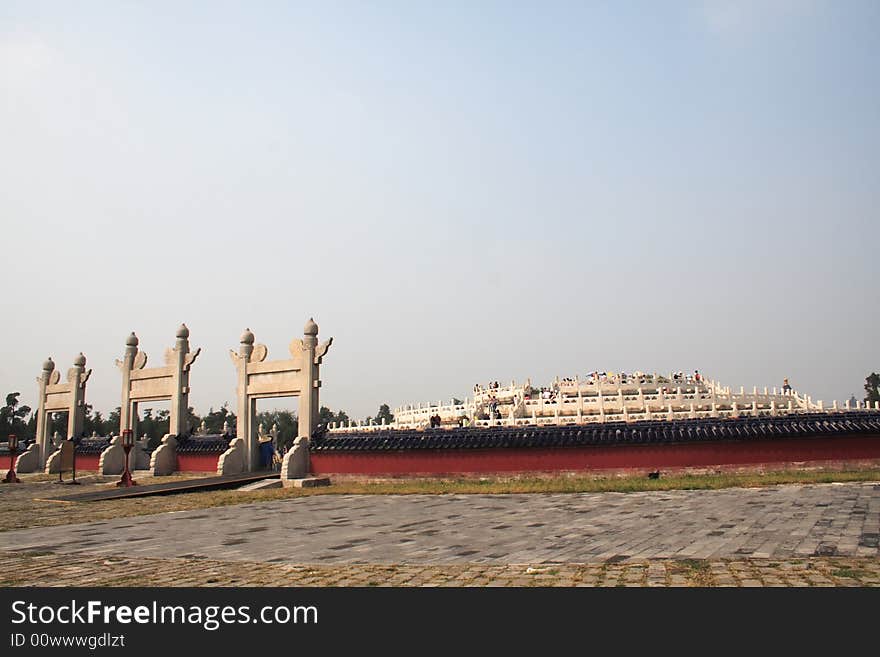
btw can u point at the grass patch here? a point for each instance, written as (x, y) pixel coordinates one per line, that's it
(697, 571)
(850, 573)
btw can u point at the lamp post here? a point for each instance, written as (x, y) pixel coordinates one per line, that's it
(11, 477)
(127, 444)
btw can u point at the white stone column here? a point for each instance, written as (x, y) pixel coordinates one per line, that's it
(244, 430)
(308, 413)
(42, 414)
(126, 365)
(183, 359)
(77, 378)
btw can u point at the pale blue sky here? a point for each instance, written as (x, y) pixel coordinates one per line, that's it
(457, 192)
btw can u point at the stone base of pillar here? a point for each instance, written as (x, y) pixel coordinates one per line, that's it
(163, 460)
(53, 462)
(306, 482)
(232, 461)
(263, 484)
(29, 459)
(295, 464)
(112, 460)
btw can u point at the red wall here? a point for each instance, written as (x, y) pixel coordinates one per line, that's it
(597, 456)
(197, 462)
(87, 462)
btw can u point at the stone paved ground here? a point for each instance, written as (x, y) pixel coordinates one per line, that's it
(53, 569)
(791, 521)
(797, 535)
(24, 505)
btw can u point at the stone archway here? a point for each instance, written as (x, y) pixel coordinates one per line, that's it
(54, 397)
(297, 376)
(168, 383)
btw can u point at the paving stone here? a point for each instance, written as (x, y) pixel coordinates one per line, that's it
(614, 538)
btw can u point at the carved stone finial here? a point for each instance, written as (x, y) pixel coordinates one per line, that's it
(247, 337)
(182, 332)
(310, 328)
(132, 340)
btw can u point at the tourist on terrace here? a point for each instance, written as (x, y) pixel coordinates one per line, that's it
(786, 389)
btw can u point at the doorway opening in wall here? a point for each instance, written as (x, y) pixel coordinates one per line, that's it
(151, 421)
(275, 422)
(58, 423)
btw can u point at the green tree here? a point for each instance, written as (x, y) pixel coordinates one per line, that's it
(384, 414)
(326, 416)
(192, 421)
(111, 424)
(872, 387)
(12, 417)
(148, 426)
(92, 422)
(214, 420)
(58, 424)
(163, 425)
(287, 423)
